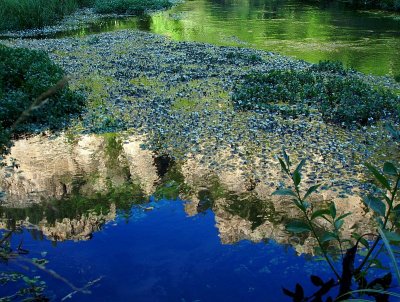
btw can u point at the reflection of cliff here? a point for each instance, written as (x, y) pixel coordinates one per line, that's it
(245, 210)
(54, 167)
(79, 228)
(106, 172)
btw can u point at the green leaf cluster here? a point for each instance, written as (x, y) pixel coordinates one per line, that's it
(24, 76)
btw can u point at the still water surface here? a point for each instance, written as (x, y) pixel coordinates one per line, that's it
(364, 40)
(101, 206)
(164, 255)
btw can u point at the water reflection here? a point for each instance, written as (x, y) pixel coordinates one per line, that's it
(70, 187)
(366, 41)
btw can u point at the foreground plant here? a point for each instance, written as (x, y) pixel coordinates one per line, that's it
(387, 217)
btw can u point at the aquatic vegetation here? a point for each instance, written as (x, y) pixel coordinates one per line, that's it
(338, 94)
(386, 211)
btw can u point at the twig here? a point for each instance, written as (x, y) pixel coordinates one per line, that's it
(90, 283)
(39, 101)
(55, 275)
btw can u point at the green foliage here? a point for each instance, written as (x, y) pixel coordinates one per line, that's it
(29, 288)
(22, 14)
(130, 6)
(335, 92)
(24, 76)
(387, 217)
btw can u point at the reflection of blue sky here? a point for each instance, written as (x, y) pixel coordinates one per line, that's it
(163, 255)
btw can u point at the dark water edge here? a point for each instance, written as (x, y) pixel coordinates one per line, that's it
(163, 255)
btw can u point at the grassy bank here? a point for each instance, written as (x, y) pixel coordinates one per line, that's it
(21, 14)
(25, 14)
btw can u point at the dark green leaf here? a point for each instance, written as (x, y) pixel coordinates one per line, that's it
(300, 165)
(284, 168)
(338, 223)
(311, 190)
(317, 281)
(286, 158)
(328, 236)
(390, 169)
(299, 205)
(343, 216)
(382, 179)
(332, 210)
(362, 240)
(285, 192)
(390, 252)
(375, 204)
(296, 178)
(392, 236)
(298, 227)
(320, 213)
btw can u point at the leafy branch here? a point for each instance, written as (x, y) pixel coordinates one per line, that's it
(387, 216)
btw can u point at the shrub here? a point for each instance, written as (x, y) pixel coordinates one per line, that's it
(130, 6)
(25, 75)
(337, 93)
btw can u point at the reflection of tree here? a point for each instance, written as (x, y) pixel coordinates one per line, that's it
(309, 31)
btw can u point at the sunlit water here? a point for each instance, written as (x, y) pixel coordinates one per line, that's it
(366, 41)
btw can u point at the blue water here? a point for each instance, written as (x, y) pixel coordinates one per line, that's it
(163, 255)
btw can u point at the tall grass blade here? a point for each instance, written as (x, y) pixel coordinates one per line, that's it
(391, 254)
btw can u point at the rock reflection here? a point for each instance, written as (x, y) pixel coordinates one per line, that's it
(68, 188)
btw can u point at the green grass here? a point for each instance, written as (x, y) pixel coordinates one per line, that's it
(22, 14)
(25, 14)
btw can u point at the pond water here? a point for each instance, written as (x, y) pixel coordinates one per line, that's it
(367, 41)
(99, 207)
(164, 255)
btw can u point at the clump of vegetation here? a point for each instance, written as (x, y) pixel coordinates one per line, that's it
(25, 102)
(25, 14)
(22, 14)
(337, 93)
(353, 280)
(130, 6)
(24, 76)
